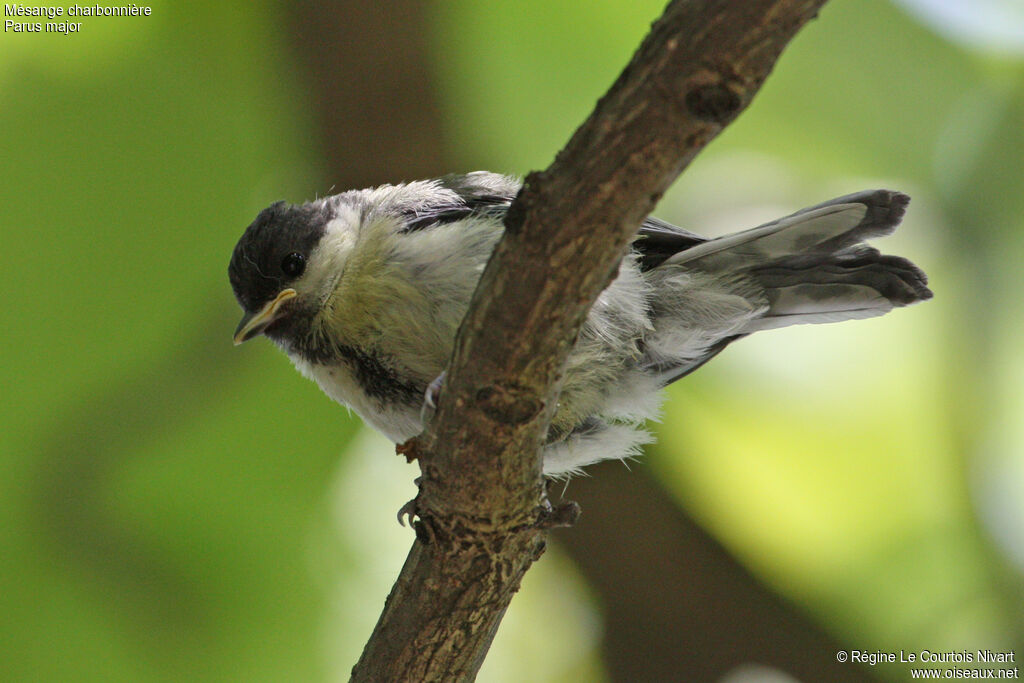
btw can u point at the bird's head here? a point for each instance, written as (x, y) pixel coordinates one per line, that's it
(279, 273)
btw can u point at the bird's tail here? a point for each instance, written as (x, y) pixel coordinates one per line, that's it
(814, 266)
(810, 267)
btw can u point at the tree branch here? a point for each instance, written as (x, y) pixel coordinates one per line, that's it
(481, 505)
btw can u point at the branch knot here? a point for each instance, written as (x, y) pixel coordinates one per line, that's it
(509, 403)
(713, 102)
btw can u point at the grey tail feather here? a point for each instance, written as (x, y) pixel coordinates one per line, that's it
(812, 267)
(841, 278)
(825, 228)
(848, 282)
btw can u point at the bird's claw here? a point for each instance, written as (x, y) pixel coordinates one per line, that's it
(407, 511)
(431, 397)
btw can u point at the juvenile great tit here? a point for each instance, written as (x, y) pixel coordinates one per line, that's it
(364, 291)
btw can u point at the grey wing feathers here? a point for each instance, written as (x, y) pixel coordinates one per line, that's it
(478, 193)
(657, 241)
(489, 194)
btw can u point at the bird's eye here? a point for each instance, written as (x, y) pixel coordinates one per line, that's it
(293, 264)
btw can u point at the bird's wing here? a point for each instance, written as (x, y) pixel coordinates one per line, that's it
(657, 241)
(489, 194)
(477, 194)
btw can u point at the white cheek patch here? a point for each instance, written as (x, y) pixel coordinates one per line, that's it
(340, 233)
(327, 260)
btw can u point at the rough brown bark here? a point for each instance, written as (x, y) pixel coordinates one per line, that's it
(481, 506)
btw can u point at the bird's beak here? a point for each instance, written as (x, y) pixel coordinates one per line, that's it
(254, 323)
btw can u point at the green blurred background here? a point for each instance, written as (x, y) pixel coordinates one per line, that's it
(173, 508)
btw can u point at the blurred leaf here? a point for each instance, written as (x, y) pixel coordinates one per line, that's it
(151, 531)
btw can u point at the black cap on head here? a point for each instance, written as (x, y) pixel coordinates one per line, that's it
(259, 268)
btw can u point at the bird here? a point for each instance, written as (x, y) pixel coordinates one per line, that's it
(365, 290)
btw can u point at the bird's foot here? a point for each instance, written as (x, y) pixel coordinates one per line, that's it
(408, 511)
(431, 397)
(551, 517)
